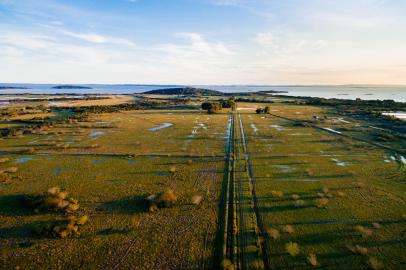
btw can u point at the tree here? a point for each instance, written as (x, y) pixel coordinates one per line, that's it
(212, 107)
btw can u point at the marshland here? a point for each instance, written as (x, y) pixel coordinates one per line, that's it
(200, 181)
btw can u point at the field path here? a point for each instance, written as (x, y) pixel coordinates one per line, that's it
(242, 237)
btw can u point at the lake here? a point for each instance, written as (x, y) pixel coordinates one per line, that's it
(397, 93)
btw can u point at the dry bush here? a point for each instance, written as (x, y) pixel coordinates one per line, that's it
(357, 249)
(172, 169)
(62, 228)
(11, 170)
(376, 225)
(189, 162)
(54, 199)
(288, 229)
(227, 265)
(277, 194)
(374, 263)
(4, 177)
(299, 203)
(340, 194)
(309, 172)
(292, 248)
(325, 190)
(274, 233)
(295, 197)
(29, 150)
(312, 259)
(163, 200)
(197, 199)
(4, 160)
(365, 232)
(321, 203)
(359, 184)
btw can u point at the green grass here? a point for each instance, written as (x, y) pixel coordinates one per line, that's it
(303, 161)
(110, 182)
(112, 173)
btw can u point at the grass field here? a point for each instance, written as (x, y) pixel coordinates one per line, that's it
(329, 186)
(295, 166)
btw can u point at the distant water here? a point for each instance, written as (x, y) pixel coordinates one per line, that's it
(397, 93)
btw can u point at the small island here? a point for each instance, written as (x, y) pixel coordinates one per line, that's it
(70, 87)
(12, 87)
(187, 91)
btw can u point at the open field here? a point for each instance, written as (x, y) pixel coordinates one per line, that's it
(246, 184)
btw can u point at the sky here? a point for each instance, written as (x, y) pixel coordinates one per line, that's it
(203, 41)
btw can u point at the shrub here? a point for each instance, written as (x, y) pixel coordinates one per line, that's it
(292, 248)
(321, 203)
(11, 170)
(376, 225)
(172, 169)
(359, 184)
(312, 259)
(163, 200)
(340, 194)
(4, 160)
(365, 232)
(288, 229)
(274, 233)
(196, 200)
(277, 194)
(54, 199)
(4, 177)
(295, 197)
(375, 263)
(67, 227)
(211, 107)
(299, 203)
(227, 265)
(230, 103)
(259, 111)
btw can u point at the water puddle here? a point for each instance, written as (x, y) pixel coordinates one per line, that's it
(339, 162)
(164, 125)
(300, 134)
(254, 128)
(399, 115)
(52, 103)
(284, 168)
(246, 109)
(57, 171)
(132, 161)
(97, 133)
(332, 130)
(343, 121)
(277, 127)
(324, 222)
(23, 160)
(162, 173)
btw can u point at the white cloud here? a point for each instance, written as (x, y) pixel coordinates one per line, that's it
(265, 39)
(199, 44)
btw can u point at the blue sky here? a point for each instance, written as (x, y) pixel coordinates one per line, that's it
(203, 41)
